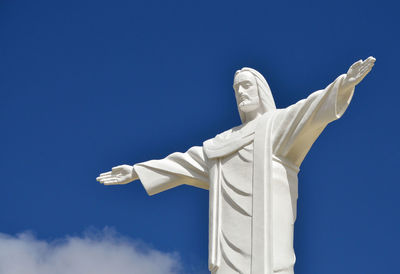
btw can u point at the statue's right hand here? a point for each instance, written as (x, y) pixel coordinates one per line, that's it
(119, 175)
(358, 71)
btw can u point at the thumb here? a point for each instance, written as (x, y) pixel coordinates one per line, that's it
(116, 168)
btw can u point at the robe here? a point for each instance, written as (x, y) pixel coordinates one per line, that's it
(251, 173)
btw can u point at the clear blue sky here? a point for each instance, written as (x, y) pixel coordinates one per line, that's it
(86, 85)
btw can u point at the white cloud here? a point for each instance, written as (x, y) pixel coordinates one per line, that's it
(102, 252)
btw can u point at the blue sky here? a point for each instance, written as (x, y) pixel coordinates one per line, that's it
(87, 85)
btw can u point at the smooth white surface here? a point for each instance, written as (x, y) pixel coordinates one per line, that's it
(251, 171)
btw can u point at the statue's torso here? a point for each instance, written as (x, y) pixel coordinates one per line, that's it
(236, 212)
(236, 209)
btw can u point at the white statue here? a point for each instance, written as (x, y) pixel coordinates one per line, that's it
(251, 171)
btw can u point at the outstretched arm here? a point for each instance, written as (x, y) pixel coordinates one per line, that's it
(158, 175)
(298, 126)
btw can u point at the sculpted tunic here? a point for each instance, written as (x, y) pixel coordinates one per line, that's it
(232, 178)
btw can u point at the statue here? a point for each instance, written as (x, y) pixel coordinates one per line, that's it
(251, 171)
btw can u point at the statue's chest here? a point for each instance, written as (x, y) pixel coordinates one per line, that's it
(237, 168)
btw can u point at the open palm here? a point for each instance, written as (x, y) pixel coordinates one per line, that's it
(119, 175)
(358, 71)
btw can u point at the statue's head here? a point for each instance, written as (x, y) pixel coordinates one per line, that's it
(252, 93)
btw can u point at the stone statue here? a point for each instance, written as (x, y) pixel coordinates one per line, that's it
(251, 171)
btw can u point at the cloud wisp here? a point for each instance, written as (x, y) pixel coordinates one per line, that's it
(102, 252)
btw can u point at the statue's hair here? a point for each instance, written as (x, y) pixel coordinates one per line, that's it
(267, 102)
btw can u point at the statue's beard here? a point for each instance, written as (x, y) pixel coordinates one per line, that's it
(248, 105)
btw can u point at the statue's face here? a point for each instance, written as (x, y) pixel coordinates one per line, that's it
(246, 91)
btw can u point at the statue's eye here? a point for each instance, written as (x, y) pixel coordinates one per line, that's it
(247, 85)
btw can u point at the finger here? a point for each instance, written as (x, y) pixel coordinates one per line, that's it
(104, 177)
(367, 67)
(356, 65)
(359, 62)
(364, 73)
(368, 63)
(367, 71)
(104, 180)
(105, 173)
(371, 59)
(111, 182)
(108, 178)
(116, 168)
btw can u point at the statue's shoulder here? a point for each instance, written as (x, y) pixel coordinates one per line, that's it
(224, 135)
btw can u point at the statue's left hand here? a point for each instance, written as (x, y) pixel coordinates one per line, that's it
(358, 71)
(119, 175)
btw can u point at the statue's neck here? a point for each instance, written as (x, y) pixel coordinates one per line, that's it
(252, 115)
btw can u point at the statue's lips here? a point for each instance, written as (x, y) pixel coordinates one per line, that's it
(244, 103)
(243, 98)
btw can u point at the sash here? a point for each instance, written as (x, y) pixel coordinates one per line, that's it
(230, 141)
(262, 235)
